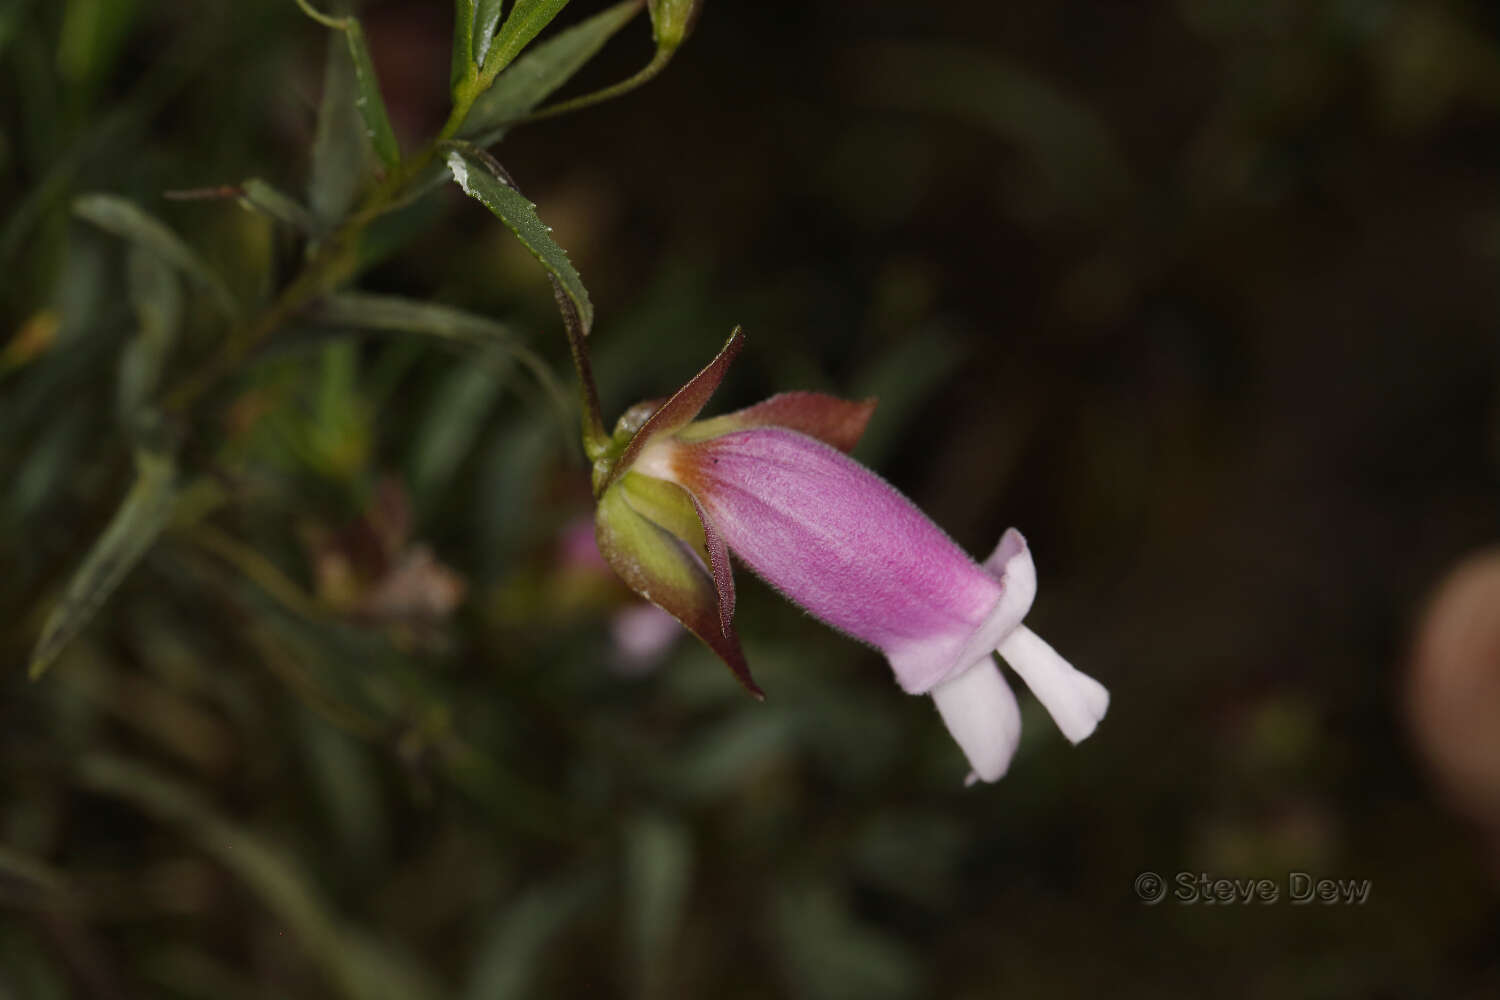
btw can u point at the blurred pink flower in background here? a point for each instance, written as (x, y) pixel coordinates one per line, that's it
(1453, 692)
(641, 632)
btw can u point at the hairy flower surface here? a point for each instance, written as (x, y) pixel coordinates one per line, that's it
(773, 484)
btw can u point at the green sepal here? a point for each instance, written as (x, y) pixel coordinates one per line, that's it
(666, 505)
(837, 422)
(677, 412)
(665, 569)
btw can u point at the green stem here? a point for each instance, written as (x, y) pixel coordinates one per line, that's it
(336, 259)
(326, 20)
(649, 71)
(595, 437)
(332, 263)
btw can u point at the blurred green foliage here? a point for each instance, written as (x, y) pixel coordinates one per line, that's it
(1199, 293)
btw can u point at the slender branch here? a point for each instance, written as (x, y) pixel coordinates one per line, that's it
(595, 438)
(326, 20)
(259, 570)
(334, 261)
(648, 72)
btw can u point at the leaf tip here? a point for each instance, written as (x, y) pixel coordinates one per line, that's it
(459, 167)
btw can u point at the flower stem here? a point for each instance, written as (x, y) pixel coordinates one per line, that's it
(595, 438)
(650, 70)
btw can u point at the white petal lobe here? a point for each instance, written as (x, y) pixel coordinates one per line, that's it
(980, 711)
(1075, 700)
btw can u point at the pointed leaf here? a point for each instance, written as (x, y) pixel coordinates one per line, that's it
(262, 197)
(391, 313)
(480, 182)
(512, 952)
(156, 298)
(91, 38)
(658, 880)
(340, 154)
(394, 313)
(358, 966)
(136, 525)
(834, 421)
(369, 102)
(904, 377)
(129, 221)
(665, 571)
(685, 404)
(12, 14)
(486, 20)
(463, 42)
(446, 432)
(541, 71)
(527, 19)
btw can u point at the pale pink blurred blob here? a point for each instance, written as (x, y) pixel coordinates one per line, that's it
(577, 549)
(642, 633)
(1453, 692)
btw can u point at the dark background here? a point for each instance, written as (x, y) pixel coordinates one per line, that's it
(1200, 295)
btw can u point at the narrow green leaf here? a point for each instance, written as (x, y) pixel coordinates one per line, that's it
(156, 297)
(480, 182)
(904, 377)
(12, 13)
(486, 20)
(826, 951)
(20, 867)
(658, 878)
(339, 154)
(463, 42)
(359, 967)
(344, 771)
(129, 221)
(393, 314)
(371, 105)
(527, 19)
(512, 951)
(91, 38)
(136, 525)
(446, 432)
(396, 314)
(510, 477)
(728, 752)
(542, 70)
(1079, 158)
(262, 197)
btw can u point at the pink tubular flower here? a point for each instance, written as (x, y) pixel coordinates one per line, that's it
(772, 483)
